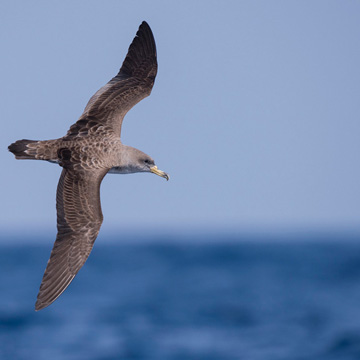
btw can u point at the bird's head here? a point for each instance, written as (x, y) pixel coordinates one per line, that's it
(148, 165)
(133, 160)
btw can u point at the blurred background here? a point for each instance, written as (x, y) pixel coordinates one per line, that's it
(251, 250)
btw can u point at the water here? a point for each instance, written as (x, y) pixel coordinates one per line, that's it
(184, 301)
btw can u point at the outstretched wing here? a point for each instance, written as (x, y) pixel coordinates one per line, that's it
(133, 83)
(79, 218)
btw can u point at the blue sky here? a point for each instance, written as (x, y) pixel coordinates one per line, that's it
(255, 111)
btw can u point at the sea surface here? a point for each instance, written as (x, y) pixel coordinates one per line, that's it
(226, 299)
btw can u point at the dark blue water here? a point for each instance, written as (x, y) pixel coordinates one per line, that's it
(170, 301)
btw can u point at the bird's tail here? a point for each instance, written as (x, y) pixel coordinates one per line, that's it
(24, 149)
(32, 149)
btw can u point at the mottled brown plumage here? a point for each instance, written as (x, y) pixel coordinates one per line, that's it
(90, 149)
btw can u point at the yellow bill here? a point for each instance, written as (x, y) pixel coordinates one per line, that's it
(156, 171)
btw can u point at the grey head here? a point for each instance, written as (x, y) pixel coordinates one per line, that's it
(133, 160)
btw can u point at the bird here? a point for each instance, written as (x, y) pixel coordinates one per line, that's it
(91, 149)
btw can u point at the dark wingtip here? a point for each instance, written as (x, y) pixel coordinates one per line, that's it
(141, 56)
(145, 27)
(144, 24)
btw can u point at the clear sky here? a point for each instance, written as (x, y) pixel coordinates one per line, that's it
(255, 112)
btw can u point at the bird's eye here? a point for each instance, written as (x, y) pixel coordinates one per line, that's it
(146, 161)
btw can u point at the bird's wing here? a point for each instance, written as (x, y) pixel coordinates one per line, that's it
(108, 106)
(79, 218)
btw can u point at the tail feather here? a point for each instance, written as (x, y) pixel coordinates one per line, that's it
(22, 150)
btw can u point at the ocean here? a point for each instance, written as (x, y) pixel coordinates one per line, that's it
(175, 300)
